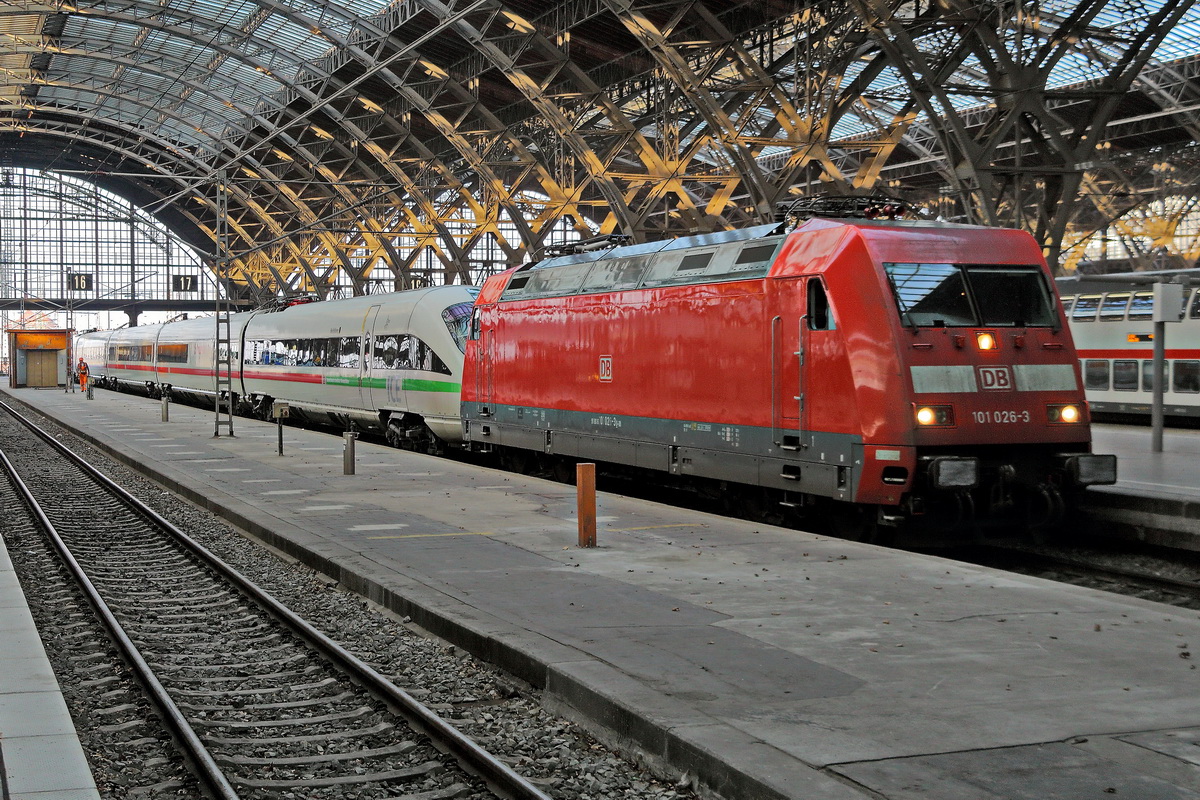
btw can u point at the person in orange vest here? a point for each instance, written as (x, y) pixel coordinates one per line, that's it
(81, 369)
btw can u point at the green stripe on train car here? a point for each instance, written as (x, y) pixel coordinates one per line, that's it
(418, 385)
(340, 380)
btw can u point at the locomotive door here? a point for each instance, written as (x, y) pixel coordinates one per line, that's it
(366, 367)
(786, 307)
(483, 374)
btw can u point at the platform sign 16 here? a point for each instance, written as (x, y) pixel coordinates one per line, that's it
(185, 283)
(80, 281)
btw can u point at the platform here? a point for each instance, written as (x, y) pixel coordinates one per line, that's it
(771, 663)
(1157, 496)
(40, 755)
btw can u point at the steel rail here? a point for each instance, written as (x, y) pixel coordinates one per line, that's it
(204, 768)
(498, 776)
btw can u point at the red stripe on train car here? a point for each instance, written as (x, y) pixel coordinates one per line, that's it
(1171, 352)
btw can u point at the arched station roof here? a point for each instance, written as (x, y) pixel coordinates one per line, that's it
(438, 140)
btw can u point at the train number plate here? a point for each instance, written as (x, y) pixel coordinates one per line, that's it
(1001, 417)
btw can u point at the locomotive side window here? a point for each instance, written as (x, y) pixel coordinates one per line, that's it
(615, 274)
(1095, 374)
(1125, 375)
(819, 316)
(1085, 308)
(1186, 377)
(1142, 305)
(1113, 307)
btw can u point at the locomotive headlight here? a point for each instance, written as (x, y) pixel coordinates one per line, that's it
(985, 340)
(935, 416)
(1065, 414)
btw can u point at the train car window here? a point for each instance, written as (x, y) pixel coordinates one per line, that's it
(1148, 374)
(819, 316)
(408, 352)
(348, 352)
(1113, 307)
(1095, 374)
(1011, 295)
(930, 294)
(1186, 377)
(1068, 302)
(458, 321)
(173, 353)
(1194, 313)
(1125, 375)
(1142, 305)
(1085, 308)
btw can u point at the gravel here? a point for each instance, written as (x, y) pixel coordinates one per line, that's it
(499, 711)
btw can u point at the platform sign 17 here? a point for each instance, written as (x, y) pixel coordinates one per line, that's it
(80, 281)
(185, 283)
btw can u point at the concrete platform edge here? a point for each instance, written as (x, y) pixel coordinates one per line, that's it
(684, 744)
(1145, 517)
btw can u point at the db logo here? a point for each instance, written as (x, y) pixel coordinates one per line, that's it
(606, 369)
(995, 379)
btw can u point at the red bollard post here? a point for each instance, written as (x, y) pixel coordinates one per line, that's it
(585, 494)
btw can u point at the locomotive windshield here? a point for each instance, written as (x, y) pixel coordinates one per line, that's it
(941, 295)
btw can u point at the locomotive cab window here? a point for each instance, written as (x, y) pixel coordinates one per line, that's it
(942, 295)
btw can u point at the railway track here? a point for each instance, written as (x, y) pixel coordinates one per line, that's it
(1161, 576)
(259, 703)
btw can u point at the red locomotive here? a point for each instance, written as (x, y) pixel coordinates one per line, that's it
(876, 370)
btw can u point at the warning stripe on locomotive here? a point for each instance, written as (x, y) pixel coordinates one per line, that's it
(970, 378)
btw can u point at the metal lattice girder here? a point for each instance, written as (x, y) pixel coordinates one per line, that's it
(361, 135)
(1020, 132)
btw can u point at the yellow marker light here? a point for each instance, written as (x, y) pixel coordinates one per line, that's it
(985, 340)
(1066, 414)
(935, 416)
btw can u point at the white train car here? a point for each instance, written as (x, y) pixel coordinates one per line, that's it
(1111, 323)
(390, 362)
